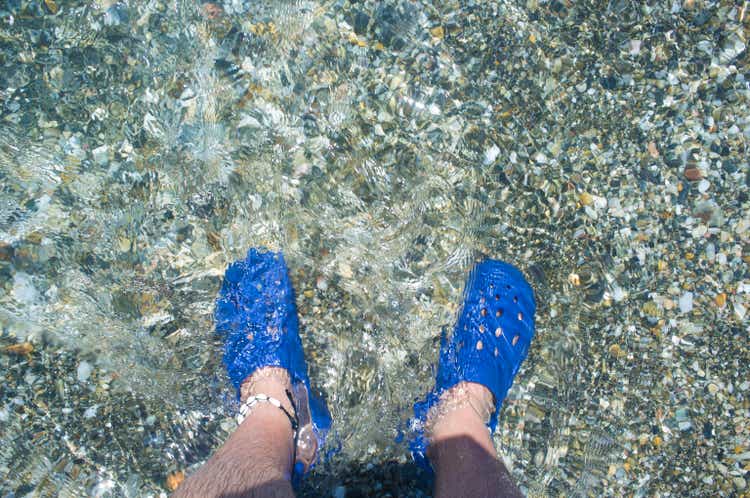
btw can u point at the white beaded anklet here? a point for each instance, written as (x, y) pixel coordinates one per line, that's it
(251, 401)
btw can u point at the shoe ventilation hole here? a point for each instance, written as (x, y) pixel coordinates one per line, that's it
(481, 329)
(515, 340)
(496, 352)
(484, 312)
(520, 315)
(499, 312)
(479, 345)
(497, 297)
(250, 336)
(515, 299)
(481, 300)
(498, 332)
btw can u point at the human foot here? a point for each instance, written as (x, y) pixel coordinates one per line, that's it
(257, 316)
(459, 408)
(481, 358)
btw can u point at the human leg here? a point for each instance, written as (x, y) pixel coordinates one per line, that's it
(256, 460)
(257, 317)
(477, 365)
(462, 453)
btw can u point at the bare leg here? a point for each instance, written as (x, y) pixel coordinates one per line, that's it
(463, 455)
(256, 461)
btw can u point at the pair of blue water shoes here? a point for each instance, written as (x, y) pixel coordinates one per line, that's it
(257, 317)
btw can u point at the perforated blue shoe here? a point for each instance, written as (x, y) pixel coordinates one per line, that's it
(257, 317)
(489, 342)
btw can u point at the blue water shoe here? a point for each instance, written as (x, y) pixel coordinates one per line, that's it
(257, 316)
(489, 342)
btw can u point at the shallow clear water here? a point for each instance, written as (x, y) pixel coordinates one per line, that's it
(384, 147)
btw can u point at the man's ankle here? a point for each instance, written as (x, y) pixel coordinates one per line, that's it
(273, 382)
(463, 410)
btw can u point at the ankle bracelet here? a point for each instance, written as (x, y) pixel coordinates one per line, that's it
(254, 400)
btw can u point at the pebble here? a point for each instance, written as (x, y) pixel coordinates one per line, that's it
(103, 488)
(84, 371)
(586, 199)
(491, 154)
(23, 289)
(693, 174)
(720, 299)
(710, 251)
(23, 349)
(616, 351)
(345, 270)
(618, 293)
(739, 482)
(101, 155)
(51, 5)
(174, 480)
(739, 309)
(686, 302)
(6, 251)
